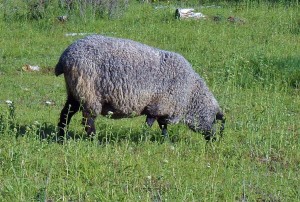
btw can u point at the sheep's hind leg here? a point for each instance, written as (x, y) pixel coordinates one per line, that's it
(70, 108)
(89, 122)
(150, 120)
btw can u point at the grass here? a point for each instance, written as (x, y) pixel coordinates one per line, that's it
(252, 68)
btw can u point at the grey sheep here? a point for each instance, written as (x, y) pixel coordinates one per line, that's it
(124, 78)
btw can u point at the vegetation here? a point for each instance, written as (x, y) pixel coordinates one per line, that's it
(251, 65)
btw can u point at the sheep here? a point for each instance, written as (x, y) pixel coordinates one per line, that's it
(124, 78)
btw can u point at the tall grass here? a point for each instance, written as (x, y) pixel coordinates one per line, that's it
(41, 9)
(252, 68)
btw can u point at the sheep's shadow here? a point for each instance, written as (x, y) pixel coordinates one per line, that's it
(48, 132)
(139, 135)
(41, 131)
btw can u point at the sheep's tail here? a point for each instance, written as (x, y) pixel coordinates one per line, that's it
(59, 69)
(220, 116)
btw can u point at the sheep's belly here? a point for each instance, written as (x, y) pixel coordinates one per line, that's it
(110, 111)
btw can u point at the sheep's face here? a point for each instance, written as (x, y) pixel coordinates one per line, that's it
(209, 130)
(216, 128)
(210, 134)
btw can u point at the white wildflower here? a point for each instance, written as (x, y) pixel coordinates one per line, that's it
(48, 102)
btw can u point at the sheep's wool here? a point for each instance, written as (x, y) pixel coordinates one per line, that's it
(126, 78)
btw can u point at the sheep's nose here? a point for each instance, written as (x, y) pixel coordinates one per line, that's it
(210, 137)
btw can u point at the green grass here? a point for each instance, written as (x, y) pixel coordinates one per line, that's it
(253, 70)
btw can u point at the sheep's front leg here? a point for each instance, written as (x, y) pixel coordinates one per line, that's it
(163, 126)
(89, 122)
(70, 108)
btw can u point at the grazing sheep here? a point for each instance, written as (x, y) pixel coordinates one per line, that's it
(106, 75)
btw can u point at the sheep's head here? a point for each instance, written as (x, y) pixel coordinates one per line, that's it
(211, 134)
(209, 128)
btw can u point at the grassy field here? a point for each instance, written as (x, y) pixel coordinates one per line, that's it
(253, 69)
